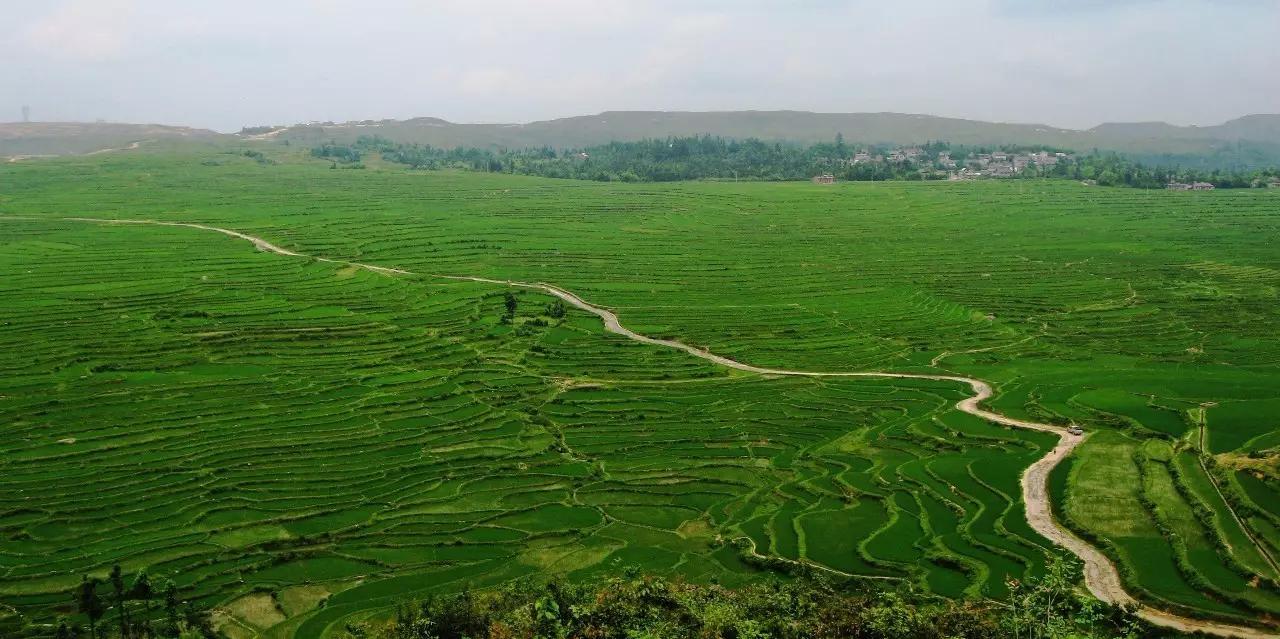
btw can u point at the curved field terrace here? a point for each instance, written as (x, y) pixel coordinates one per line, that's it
(344, 439)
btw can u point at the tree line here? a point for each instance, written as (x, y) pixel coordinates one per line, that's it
(1115, 170)
(716, 158)
(128, 608)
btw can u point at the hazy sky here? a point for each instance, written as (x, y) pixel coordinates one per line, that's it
(227, 63)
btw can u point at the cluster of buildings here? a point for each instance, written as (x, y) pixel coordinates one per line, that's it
(969, 166)
(898, 155)
(1002, 164)
(1191, 186)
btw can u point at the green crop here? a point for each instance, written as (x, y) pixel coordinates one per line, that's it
(244, 421)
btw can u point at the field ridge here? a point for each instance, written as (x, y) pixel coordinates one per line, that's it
(1101, 575)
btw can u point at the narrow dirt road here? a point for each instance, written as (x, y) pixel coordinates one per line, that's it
(1101, 576)
(132, 146)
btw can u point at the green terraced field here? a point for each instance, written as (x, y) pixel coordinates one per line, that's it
(247, 422)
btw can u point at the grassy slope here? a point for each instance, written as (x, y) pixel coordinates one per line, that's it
(1261, 132)
(1105, 306)
(69, 138)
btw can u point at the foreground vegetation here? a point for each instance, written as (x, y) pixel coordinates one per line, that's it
(637, 607)
(628, 605)
(262, 429)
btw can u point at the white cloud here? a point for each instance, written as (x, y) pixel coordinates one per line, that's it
(487, 82)
(84, 30)
(228, 63)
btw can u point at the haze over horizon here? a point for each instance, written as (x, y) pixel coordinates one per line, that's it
(236, 63)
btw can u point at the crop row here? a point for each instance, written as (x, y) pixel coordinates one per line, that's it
(243, 422)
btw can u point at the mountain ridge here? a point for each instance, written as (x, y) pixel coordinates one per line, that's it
(35, 139)
(797, 126)
(1247, 141)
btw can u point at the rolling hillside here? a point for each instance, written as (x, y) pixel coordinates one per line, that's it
(1248, 140)
(36, 139)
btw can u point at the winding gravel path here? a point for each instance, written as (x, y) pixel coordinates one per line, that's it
(1100, 574)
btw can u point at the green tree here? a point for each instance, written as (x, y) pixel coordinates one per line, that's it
(117, 585)
(509, 301)
(89, 604)
(169, 592)
(1051, 607)
(198, 622)
(141, 590)
(556, 309)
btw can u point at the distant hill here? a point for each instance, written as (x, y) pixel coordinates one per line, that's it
(1248, 140)
(587, 130)
(21, 139)
(1253, 128)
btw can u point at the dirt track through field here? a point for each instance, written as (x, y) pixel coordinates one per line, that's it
(1101, 575)
(132, 145)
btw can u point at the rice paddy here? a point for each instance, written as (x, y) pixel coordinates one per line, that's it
(342, 440)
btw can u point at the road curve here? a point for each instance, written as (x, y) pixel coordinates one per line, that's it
(1100, 574)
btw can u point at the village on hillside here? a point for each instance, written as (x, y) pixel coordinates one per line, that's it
(939, 161)
(936, 161)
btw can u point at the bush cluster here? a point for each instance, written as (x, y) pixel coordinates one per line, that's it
(646, 607)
